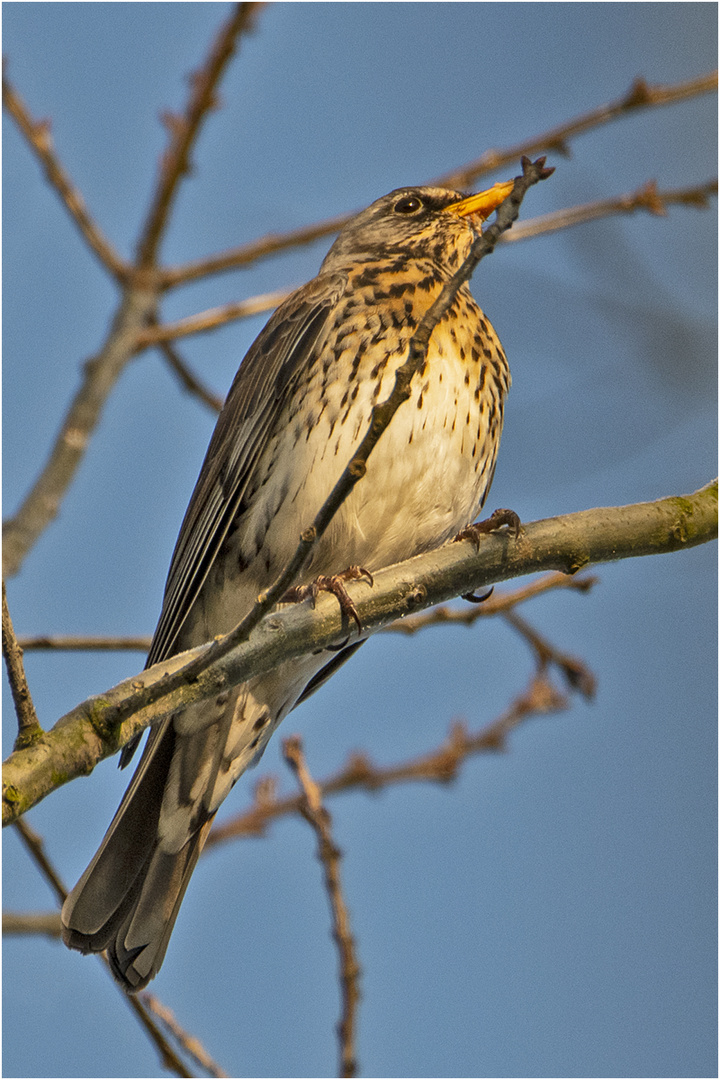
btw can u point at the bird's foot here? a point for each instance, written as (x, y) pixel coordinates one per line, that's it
(335, 584)
(497, 520)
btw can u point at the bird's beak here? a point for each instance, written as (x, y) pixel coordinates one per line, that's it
(483, 203)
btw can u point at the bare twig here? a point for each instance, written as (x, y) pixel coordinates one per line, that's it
(91, 731)
(646, 198)
(71, 643)
(189, 1043)
(35, 846)
(28, 724)
(639, 96)
(314, 812)
(577, 674)
(37, 134)
(136, 311)
(437, 766)
(188, 379)
(27, 923)
(184, 129)
(41, 504)
(168, 1057)
(211, 319)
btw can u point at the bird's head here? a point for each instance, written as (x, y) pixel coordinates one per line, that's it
(416, 222)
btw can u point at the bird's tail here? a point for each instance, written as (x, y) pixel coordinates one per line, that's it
(129, 897)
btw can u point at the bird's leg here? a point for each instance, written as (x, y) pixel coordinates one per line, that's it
(497, 520)
(335, 584)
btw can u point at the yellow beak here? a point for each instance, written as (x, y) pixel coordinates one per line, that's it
(484, 202)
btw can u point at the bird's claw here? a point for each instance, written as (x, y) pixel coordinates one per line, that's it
(497, 520)
(335, 584)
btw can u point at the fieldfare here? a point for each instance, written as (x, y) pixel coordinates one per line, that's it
(297, 409)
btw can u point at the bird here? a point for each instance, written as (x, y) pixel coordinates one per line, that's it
(297, 409)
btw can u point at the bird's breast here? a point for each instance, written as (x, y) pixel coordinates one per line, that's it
(429, 473)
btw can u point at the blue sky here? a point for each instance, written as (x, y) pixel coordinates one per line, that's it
(552, 913)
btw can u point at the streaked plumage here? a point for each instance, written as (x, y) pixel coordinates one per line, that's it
(297, 409)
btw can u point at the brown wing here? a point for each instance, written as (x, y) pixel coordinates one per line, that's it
(295, 332)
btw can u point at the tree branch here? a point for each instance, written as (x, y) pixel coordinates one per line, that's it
(29, 727)
(190, 1044)
(329, 854)
(37, 134)
(437, 616)
(640, 96)
(570, 543)
(184, 129)
(136, 310)
(33, 843)
(437, 766)
(647, 197)
(42, 502)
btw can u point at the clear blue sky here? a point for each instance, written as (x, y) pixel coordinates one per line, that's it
(553, 912)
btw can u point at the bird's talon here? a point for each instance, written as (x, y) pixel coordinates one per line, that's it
(473, 598)
(332, 583)
(497, 520)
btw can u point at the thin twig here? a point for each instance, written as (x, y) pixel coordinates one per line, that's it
(577, 674)
(647, 197)
(211, 319)
(437, 766)
(35, 846)
(72, 643)
(639, 96)
(314, 812)
(188, 379)
(189, 1043)
(42, 502)
(89, 732)
(37, 134)
(185, 128)
(29, 728)
(137, 309)
(25, 923)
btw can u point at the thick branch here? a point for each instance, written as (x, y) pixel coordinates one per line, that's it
(570, 543)
(500, 602)
(42, 502)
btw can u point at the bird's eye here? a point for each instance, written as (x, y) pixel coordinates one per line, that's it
(409, 204)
